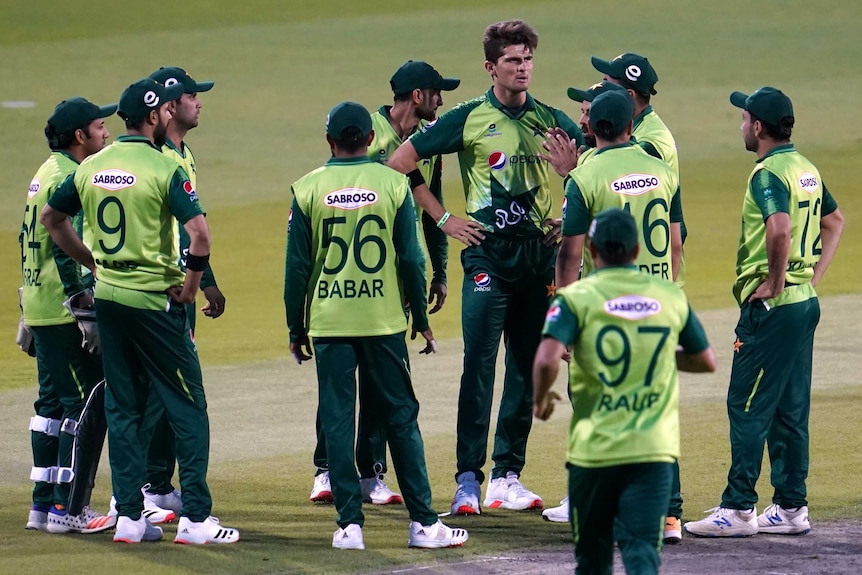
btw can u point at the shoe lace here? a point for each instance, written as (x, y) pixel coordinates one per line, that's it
(518, 488)
(467, 488)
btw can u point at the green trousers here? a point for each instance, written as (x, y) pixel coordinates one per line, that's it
(385, 395)
(623, 503)
(507, 287)
(769, 400)
(370, 446)
(151, 352)
(67, 374)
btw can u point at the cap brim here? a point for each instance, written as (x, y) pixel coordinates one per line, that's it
(579, 95)
(204, 86)
(174, 92)
(105, 111)
(602, 66)
(449, 84)
(738, 99)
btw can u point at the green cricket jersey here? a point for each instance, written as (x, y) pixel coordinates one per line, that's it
(624, 327)
(49, 275)
(386, 141)
(505, 182)
(624, 176)
(351, 237)
(782, 181)
(132, 196)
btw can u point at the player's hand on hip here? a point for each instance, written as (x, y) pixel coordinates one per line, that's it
(215, 302)
(301, 350)
(430, 342)
(438, 293)
(180, 295)
(562, 151)
(465, 231)
(555, 234)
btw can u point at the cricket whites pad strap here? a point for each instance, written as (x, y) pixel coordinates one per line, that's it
(69, 426)
(46, 425)
(52, 474)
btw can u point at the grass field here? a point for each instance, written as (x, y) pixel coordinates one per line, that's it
(279, 67)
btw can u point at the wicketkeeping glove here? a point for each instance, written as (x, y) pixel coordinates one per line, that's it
(80, 305)
(24, 338)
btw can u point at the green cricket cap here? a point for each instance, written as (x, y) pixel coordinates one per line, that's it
(144, 96)
(614, 226)
(767, 103)
(419, 75)
(590, 93)
(170, 75)
(614, 106)
(77, 112)
(348, 121)
(633, 70)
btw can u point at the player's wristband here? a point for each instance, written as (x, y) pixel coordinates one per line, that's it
(197, 263)
(443, 220)
(416, 179)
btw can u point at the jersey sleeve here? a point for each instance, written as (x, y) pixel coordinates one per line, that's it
(829, 203)
(692, 338)
(676, 207)
(561, 323)
(435, 238)
(569, 126)
(576, 220)
(182, 198)
(297, 271)
(65, 198)
(770, 193)
(411, 260)
(650, 149)
(445, 136)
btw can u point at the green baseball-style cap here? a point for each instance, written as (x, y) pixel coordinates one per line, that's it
(144, 96)
(633, 70)
(766, 103)
(614, 106)
(614, 226)
(170, 75)
(418, 75)
(346, 116)
(590, 93)
(76, 113)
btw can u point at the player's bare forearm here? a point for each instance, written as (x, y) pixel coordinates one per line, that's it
(546, 366)
(831, 228)
(702, 362)
(777, 255)
(60, 228)
(569, 260)
(189, 290)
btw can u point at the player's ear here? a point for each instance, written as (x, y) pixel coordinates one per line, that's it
(417, 96)
(490, 68)
(370, 138)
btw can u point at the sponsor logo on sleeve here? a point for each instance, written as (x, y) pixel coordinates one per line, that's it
(808, 182)
(190, 190)
(482, 281)
(289, 219)
(114, 179)
(350, 198)
(635, 184)
(565, 205)
(553, 313)
(632, 307)
(497, 160)
(34, 188)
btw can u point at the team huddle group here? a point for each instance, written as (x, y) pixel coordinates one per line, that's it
(600, 288)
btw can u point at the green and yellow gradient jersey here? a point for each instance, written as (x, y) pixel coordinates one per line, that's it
(505, 182)
(351, 237)
(132, 196)
(49, 275)
(624, 327)
(386, 141)
(782, 181)
(624, 176)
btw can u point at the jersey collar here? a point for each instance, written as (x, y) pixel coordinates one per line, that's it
(777, 150)
(615, 146)
(138, 139)
(181, 150)
(67, 154)
(530, 104)
(333, 161)
(639, 118)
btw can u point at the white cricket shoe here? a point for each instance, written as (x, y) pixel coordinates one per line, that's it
(375, 491)
(508, 493)
(154, 514)
(89, 521)
(724, 522)
(778, 520)
(37, 520)
(435, 536)
(466, 500)
(322, 490)
(131, 531)
(172, 500)
(202, 532)
(557, 514)
(349, 537)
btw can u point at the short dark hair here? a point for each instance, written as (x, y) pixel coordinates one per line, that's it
(605, 130)
(508, 33)
(403, 97)
(782, 131)
(351, 141)
(614, 254)
(62, 141)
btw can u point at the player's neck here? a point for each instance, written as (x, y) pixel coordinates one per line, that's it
(510, 98)
(176, 135)
(403, 120)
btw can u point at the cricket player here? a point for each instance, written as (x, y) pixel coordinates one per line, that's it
(132, 195)
(791, 226)
(623, 327)
(67, 371)
(509, 262)
(352, 244)
(416, 88)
